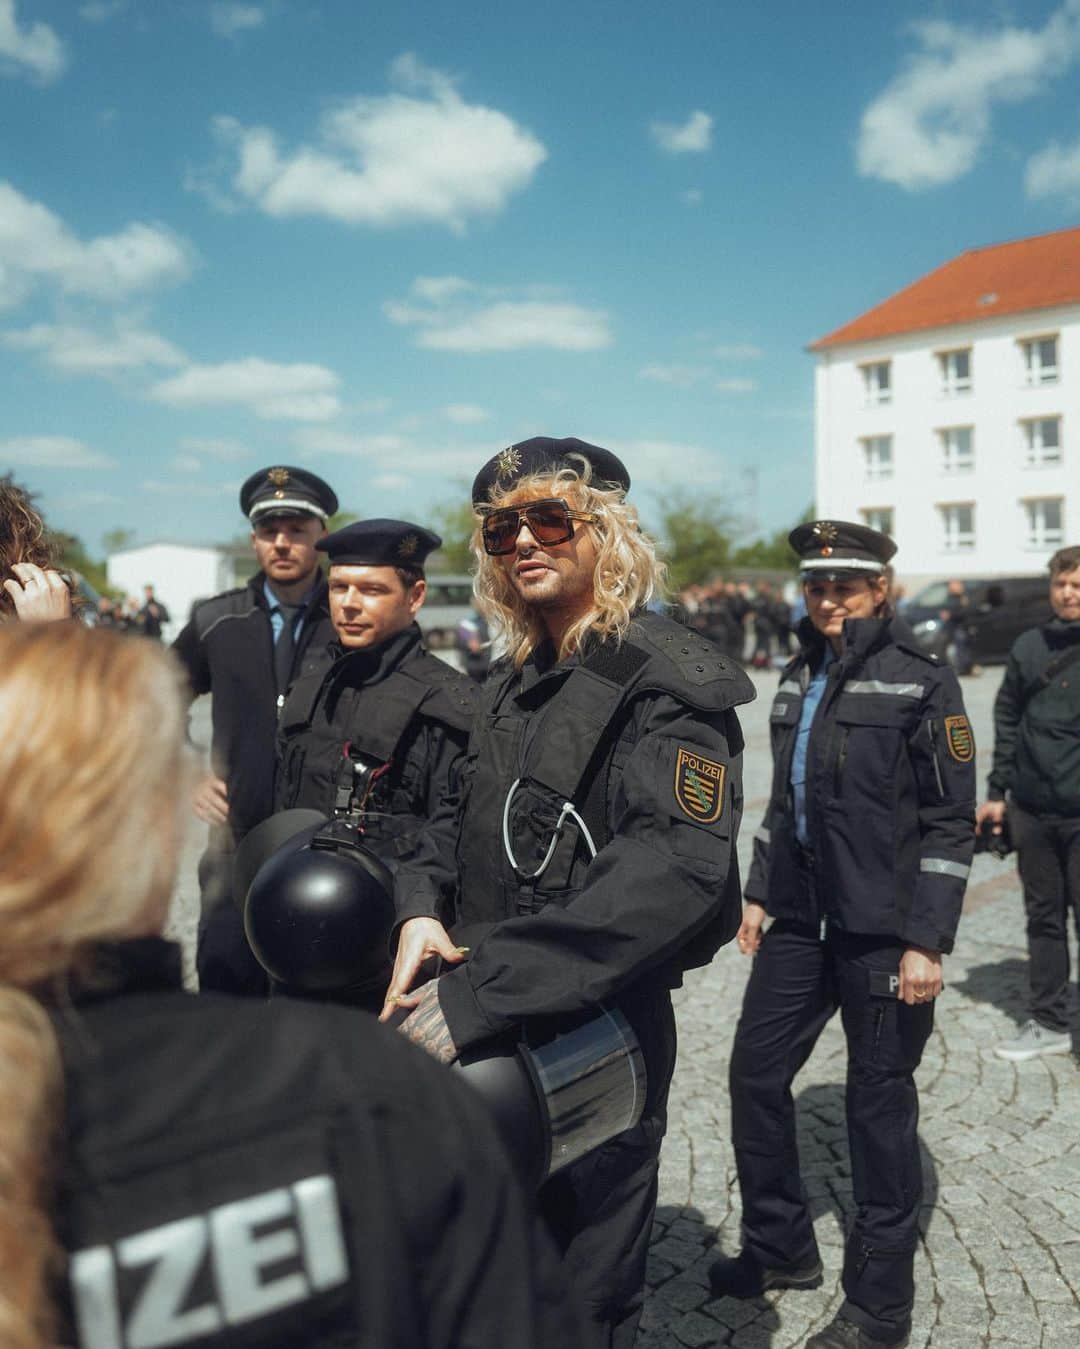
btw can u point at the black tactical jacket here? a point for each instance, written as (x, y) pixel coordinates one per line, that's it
(227, 649)
(241, 1175)
(890, 788)
(1037, 728)
(644, 742)
(394, 705)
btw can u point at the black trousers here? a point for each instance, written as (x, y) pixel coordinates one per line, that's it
(223, 958)
(1048, 851)
(797, 982)
(600, 1209)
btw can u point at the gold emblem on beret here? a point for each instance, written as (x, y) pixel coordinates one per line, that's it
(507, 462)
(408, 546)
(826, 534)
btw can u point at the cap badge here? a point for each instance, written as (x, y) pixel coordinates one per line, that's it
(826, 534)
(507, 462)
(278, 476)
(408, 546)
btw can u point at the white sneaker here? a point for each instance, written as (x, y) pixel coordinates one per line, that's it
(1033, 1041)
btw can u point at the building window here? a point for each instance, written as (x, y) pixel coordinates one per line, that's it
(955, 371)
(879, 518)
(1040, 360)
(877, 382)
(1042, 441)
(1045, 522)
(877, 457)
(957, 449)
(957, 526)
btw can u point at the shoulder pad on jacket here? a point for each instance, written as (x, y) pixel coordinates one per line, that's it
(911, 647)
(454, 697)
(230, 603)
(687, 665)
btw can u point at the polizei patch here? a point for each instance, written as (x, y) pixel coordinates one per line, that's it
(699, 786)
(961, 741)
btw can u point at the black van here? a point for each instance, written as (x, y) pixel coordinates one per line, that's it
(1000, 609)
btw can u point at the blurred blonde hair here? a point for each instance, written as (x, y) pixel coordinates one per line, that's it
(628, 572)
(94, 774)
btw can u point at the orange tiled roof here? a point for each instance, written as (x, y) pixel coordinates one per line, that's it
(1011, 278)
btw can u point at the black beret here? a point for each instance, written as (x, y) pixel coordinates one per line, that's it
(839, 548)
(544, 454)
(379, 543)
(287, 491)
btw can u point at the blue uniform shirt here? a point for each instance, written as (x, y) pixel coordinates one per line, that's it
(811, 703)
(277, 618)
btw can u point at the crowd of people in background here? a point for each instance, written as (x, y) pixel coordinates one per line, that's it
(753, 622)
(145, 619)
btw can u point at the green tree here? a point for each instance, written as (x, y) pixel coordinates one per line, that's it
(773, 553)
(695, 533)
(115, 540)
(455, 522)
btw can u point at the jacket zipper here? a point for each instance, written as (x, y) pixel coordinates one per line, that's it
(841, 760)
(879, 1021)
(931, 732)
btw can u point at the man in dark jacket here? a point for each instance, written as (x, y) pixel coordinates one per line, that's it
(245, 647)
(1037, 767)
(379, 735)
(591, 856)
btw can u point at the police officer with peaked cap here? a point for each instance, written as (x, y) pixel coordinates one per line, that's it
(590, 858)
(245, 646)
(861, 862)
(377, 737)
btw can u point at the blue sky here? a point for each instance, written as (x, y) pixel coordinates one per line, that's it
(384, 240)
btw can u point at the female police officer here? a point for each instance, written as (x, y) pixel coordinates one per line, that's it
(861, 862)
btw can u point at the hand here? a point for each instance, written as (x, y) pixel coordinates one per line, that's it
(419, 938)
(749, 933)
(426, 1026)
(40, 594)
(920, 976)
(994, 811)
(210, 800)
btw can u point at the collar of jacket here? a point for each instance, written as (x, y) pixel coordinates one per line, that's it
(542, 662)
(862, 636)
(318, 595)
(1059, 633)
(369, 664)
(142, 965)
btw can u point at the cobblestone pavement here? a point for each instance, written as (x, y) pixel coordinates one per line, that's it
(999, 1262)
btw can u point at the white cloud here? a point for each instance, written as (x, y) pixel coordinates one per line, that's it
(266, 388)
(374, 407)
(228, 20)
(466, 414)
(221, 491)
(36, 245)
(693, 196)
(92, 497)
(930, 123)
(679, 376)
(735, 384)
(654, 463)
(98, 11)
(325, 440)
(51, 452)
(471, 318)
(82, 351)
(738, 351)
(34, 47)
(186, 463)
(227, 451)
(422, 154)
(392, 482)
(680, 138)
(1054, 172)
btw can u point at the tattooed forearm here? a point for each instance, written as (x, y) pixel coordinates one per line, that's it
(426, 1026)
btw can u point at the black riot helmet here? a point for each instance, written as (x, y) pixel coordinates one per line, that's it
(319, 911)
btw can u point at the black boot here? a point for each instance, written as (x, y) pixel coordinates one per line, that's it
(745, 1276)
(844, 1334)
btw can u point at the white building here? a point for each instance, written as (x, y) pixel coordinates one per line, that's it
(180, 574)
(949, 415)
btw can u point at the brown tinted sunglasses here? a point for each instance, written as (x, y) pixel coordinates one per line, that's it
(550, 521)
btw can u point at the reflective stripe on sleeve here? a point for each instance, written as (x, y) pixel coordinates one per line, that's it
(790, 686)
(762, 835)
(941, 866)
(878, 686)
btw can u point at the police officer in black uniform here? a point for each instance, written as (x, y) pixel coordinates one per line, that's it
(378, 736)
(245, 647)
(591, 857)
(222, 1173)
(861, 861)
